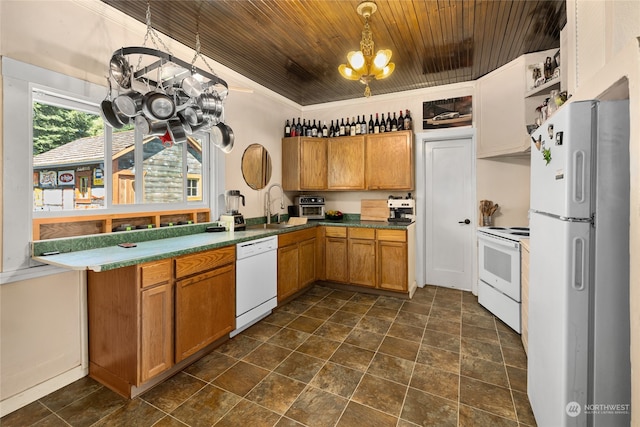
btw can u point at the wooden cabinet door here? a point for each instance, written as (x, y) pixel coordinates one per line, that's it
(336, 267)
(306, 263)
(390, 161)
(156, 331)
(205, 309)
(392, 266)
(362, 262)
(345, 163)
(287, 271)
(291, 164)
(313, 164)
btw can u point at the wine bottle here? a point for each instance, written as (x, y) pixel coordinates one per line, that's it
(299, 128)
(371, 124)
(287, 129)
(394, 123)
(363, 126)
(305, 128)
(400, 121)
(376, 126)
(342, 127)
(388, 123)
(314, 129)
(357, 127)
(331, 130)
(352, 129)
(383, 124)
(407, 120)
(325, 130)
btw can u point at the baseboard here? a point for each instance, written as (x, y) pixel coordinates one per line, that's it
(36, 392)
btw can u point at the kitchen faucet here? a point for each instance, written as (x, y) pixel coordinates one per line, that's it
(267, 201)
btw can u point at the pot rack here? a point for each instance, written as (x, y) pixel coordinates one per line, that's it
(162, 72)
(165, 58)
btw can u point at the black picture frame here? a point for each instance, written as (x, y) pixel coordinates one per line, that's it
(556, 58)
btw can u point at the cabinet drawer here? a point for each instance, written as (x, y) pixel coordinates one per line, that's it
(292, 237)
(203, 261)
(392, 235)
(362, 233)
(153, 273)
(335, 231)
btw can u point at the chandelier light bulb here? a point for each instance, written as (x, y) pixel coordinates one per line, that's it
(356, 60)
(382, 58)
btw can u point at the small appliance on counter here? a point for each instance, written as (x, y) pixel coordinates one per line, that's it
(401, 210)
(232, 201)
(311, 207)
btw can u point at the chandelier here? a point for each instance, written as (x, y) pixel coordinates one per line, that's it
(362, 65)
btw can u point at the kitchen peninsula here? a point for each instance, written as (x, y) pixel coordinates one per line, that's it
(157, 304)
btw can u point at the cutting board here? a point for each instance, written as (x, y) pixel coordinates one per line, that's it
(295, 220)
(374, 210)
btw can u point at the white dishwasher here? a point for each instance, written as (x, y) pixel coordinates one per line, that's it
(256, 281)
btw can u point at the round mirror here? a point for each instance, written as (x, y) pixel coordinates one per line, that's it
(256, 166)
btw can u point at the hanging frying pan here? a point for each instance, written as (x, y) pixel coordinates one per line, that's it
(150, 128)
(158, 106)
(109, 114)
(176, 131)
(223, 137)
(129, 104)
(120, 71)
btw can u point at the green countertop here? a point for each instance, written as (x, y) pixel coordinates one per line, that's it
(101, 252)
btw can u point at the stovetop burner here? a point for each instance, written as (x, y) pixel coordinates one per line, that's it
(511, 233)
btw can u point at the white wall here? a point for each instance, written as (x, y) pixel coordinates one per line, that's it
(42, 324)
(505, 181)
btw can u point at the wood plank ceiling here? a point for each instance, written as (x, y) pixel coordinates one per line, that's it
(294, 47)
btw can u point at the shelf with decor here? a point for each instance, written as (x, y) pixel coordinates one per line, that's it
(69, 226)
(507, 102)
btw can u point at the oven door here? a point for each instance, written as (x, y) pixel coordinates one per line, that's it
(311, 211)
(499, 264)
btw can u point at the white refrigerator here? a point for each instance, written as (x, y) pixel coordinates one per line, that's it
(579, 346)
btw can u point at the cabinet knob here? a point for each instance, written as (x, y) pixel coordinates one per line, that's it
(466, 221)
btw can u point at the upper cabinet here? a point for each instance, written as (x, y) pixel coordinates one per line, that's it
(304, 163)
(390, 161)
(345, 163)
(507, 99)
(364, 162)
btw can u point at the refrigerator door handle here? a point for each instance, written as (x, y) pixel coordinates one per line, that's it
(579, 171)
(579, 264)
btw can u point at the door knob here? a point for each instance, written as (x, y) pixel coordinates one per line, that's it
(466, 221)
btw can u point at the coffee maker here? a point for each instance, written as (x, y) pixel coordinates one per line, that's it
(401, 210)
(232, 200)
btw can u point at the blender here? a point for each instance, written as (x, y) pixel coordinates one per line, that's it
(232, 201)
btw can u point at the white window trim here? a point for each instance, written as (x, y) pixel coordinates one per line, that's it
(19, 79)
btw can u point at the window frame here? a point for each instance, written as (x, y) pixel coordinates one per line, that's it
(18, 82)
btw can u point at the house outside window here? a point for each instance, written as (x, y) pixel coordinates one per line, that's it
(70, 171)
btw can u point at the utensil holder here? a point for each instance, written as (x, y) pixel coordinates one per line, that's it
(487, 220)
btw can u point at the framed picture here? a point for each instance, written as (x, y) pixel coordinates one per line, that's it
(447, 113)
(556, 58)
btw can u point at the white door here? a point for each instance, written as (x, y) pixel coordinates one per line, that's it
(449, 207)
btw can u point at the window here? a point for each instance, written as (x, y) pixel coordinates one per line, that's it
(193, 188)
(70, 170)
(68, 154)
(24, 86)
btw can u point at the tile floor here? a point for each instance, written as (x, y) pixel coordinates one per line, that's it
(329, 358)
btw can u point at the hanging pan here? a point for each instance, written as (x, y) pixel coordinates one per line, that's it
(223, 137)
(108, 113)
(120, 71)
